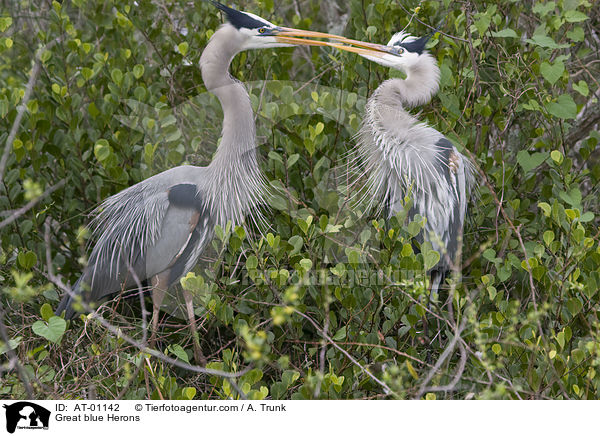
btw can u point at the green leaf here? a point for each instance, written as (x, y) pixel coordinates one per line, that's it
(560, 339)
(505, 33)
(575, 16)
(556, 156)
(482, 23)
(431, 258)
(5, 23)
(530, 161)
(340, 334)
(574, 306)
(183, 48)
(46, 312)
(27, 259)
(87, 73)
(564, 107)
(188, 393)
(576, 34)
(117, 76)
(138, 71)
(178, 351)
(53, 330)
(278, 202)
(552, 72)
(548, 237)
(578, 355)
(306, 264)
(297, 242)
(582, 88)
(542, 9)
(252, 262)
(12, 344)
(546, 42)
(573, 197)
(102, 150)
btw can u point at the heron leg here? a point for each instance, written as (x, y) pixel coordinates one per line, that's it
(189, 305)
(159, 289)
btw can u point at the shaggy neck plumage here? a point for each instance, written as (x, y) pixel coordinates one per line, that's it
(236, 182)
(395, 149)
(421, 84)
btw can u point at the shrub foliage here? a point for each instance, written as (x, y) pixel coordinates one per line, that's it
(328, 300)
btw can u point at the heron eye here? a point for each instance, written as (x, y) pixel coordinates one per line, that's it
(399, 50)
(262, 30)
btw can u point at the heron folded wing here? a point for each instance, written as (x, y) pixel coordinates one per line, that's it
(185, 230)
(186, 196)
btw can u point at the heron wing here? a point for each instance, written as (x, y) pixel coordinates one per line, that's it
(143, 231)
(185, 232)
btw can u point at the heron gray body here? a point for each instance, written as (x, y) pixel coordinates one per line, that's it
(402, 156)
(141, 233)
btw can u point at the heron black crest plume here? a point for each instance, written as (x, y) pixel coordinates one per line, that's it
(238, 19)
(416, 46)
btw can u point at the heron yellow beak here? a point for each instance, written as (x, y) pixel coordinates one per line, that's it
(295, 36)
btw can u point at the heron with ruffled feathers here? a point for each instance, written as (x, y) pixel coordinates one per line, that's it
(401, 157)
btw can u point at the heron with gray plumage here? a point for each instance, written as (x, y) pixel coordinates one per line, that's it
(153, 232)
(403, 157)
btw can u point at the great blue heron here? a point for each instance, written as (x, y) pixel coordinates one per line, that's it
(402, 156)
(155, 231)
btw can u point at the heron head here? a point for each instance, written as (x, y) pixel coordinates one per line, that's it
(402, 51)
(260, 33)
(405, 51)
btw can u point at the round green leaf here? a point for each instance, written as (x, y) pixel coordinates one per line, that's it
(183, 48)
(102, 150)
(27, 259)
(52, 330)
(564, 107)
(138, 71)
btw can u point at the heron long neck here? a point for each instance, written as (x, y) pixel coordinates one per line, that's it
(421, 83)
(236, 182)
(238, 133)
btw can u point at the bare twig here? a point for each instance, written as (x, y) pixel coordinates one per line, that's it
(447, 352)
(14, 215)
(387, 389)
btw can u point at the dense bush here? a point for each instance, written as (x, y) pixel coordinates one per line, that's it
(328, 300)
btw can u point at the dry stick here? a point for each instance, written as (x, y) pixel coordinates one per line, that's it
(14, 215)
(144, 330)
(443, 358)
(323, 350)
(35, 72)
(363, 344)
(143, 348)
(457, 376)
(388, 390)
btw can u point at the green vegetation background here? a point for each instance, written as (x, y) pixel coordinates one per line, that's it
(326, 303)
